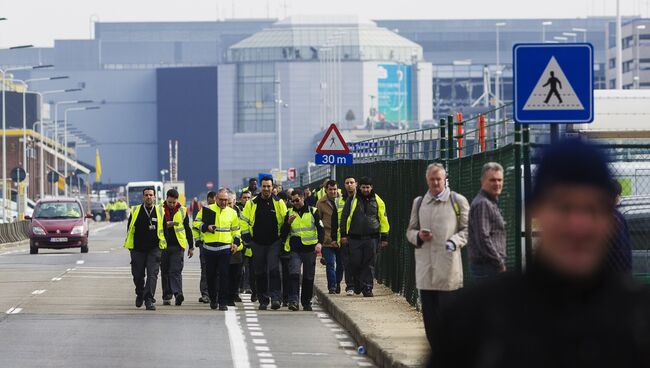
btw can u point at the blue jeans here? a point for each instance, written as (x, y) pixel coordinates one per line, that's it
(483, 271)
(334, 266)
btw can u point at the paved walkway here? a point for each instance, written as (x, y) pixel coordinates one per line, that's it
(389, 328)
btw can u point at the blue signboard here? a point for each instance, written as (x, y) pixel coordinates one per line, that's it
(553, 83)
(394, 92)
(333, 159)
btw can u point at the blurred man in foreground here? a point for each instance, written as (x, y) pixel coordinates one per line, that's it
(567, 309)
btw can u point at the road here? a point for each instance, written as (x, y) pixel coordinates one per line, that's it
(67, 309)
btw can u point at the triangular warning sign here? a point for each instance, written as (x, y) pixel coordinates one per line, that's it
(333, 142)
(553, 91)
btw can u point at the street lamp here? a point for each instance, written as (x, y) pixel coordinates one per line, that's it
(571, 34)
(560, 38)
(544, 25)
(56, 127)
(65, 141)
(25, 86)
(42, 158)
(637, 43)
(162, 174)
(497, 76)
(583, 31)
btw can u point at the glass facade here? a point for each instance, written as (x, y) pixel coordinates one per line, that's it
(255, 98)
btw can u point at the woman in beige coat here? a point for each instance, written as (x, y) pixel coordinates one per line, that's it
(438, 230)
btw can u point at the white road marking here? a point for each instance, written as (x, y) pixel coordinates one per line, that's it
(364, 364)
(14, 310)
(255, 328)
(341, 336)
(268, 366)
(264, 355)
(267, 361)
(249, 320)
(38, 292)
(257, 334)
(346, 344)
(56, 279)
(238, 349)
(80, 262)
(262, 348)
(315, 354)
(260, 341)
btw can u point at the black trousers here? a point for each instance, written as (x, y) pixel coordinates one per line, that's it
(216, 272)
(145, 262)
(305, 261)
(362, 254)
(203, 284)
(266, 261)
(286, 281)
(171, 271)
(433, 303)
(234, 275)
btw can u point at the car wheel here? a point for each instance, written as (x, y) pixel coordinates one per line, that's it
(33, 250)
(84, 249)
(98, 218)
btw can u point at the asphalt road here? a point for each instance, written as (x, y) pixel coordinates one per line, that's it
(67, 309)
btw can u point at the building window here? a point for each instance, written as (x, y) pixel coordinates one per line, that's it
(628, 66)
(612, 63)
(628, 42)
(255, 98)
(612, 84)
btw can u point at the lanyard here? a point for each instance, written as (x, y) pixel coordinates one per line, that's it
(149, 213)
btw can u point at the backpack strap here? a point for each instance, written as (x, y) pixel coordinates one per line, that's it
(418, 204)
(454, 204)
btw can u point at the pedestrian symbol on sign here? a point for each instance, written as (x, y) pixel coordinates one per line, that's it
(553, 91)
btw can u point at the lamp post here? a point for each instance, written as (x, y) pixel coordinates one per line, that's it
(497, 76)
(583, 31)
(637, 44)
(65, 141)
(56, 132)
(544, 25)
(560, 39)
(41, 154)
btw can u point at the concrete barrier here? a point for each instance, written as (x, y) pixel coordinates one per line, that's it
(14, 231)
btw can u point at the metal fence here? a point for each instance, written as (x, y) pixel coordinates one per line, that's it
(397, 165)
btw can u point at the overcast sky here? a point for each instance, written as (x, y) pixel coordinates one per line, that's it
(39, 22)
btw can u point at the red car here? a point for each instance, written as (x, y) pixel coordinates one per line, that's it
(59, 223)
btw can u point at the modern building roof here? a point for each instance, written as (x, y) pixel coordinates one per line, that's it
(303, 38)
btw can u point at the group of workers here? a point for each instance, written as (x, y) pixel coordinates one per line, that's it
(117, 210)
(269, 238)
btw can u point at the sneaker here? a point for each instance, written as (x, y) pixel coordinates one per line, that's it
(150, 306)
(237, 299)
(332, 291)
(179, 299)
(338, 289)
(262, 307)
(349, 292)
(204, 299)
(138, 301)
(167, 302)
(368, 294)
(307, 308)
(223, 307)
(275, 305)
(293, 307)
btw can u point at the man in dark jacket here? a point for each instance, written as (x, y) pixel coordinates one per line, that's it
(567, 309)
(363, 224)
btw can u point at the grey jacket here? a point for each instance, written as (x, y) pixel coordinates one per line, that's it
(435, 267)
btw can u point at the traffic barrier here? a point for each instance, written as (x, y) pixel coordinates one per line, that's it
(14, 231)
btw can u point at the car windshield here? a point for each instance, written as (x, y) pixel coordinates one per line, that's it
(58, 210)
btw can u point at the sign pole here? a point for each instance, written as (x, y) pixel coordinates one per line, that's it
(555, 133)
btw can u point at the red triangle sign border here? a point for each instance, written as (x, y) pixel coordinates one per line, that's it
(320, 149)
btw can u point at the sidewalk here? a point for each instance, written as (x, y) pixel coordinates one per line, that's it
(391, 330)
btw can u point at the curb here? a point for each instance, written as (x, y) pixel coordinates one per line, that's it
(380, 356)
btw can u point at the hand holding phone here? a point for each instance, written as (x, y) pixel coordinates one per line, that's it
(425, 234)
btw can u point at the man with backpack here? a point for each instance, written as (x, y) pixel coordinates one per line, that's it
(438, 230)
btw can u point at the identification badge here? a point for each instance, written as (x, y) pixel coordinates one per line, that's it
(152, 227)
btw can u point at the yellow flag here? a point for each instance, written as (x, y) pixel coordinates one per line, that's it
(61, 183)
(98, 167)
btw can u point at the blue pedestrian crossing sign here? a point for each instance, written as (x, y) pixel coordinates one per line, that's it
(553, 83)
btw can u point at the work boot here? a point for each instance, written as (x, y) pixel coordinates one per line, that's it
(213, 305)
(179, 299)
(223, 308)
(275, 305)
(138, 301)
(150, 306)
(293, 306)
(262, 307)
(253, 297)
(167, 302)
(237, 299)
(338, 289)
(307, 308)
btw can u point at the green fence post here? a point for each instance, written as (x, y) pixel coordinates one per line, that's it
(450, 137)
(518, 197)
(527, 188)
(442, 141)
